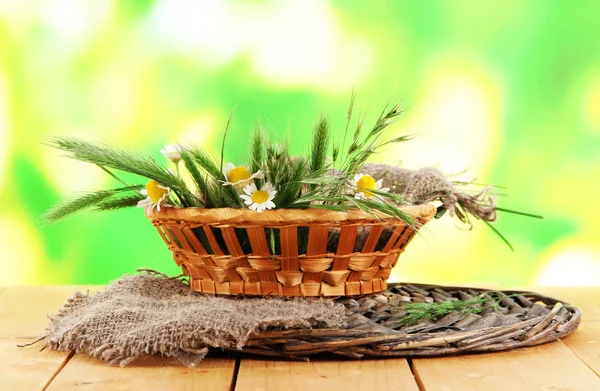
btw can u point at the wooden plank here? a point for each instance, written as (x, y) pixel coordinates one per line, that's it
(585, 342)
(24, 309)
(546, 367)
(372, 375)
(27, 368)
(86, 373)
(585, 298)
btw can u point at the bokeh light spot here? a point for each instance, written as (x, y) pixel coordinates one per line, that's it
(197, 131)
(291, 43)
(571, 266)
(460, 106)
(305, 44)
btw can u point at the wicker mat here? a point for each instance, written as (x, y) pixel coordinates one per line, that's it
(373, 330)
(151, 314)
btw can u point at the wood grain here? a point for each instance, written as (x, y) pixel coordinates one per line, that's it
(27, 368)
(343, 375)
(586, 298)
(545, 367)
(24, 309)
(572, 364)
(585, 342)
(86, 373)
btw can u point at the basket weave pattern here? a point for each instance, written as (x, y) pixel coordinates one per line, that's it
(347, 253)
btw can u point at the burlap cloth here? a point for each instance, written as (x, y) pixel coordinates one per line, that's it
(430, 184)
(150, 314)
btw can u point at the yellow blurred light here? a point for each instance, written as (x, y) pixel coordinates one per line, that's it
(70, 176)
(20, 251)
(571, 265)
(438, 254)
(118, 96)
(198, 131)
(591, 103)
(457, 120)
(4, 131)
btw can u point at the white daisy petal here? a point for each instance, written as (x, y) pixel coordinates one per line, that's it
(172, 152)
(258, 175)
(264, 204)
(250, 188)
(227, 169)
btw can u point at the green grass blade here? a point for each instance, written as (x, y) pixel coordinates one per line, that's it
(519, 213)
(499, 234)
(225, 137)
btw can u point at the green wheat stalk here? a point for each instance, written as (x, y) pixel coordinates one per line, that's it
(78, 203)
(320, 145)
(107, 155)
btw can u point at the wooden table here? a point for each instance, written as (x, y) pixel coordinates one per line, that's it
(570, 364)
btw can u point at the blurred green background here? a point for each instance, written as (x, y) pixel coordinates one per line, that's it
(507, 90)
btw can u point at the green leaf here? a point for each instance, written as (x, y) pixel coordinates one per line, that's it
(441, 210)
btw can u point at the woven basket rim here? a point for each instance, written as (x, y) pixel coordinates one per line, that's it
(423, 212)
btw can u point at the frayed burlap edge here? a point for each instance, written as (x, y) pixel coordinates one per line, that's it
(149, 314)
(430, 184)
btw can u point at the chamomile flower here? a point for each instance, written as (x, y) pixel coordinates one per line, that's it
(363, 186)
(240, 175)
(259, 200)
(172, 152)
(156, 195)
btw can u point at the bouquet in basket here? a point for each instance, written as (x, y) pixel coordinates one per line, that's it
(325, 224)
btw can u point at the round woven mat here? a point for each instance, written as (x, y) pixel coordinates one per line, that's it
(374, 331)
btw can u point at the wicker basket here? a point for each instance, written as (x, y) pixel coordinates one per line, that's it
(287, 252)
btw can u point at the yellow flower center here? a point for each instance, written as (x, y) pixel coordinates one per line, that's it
(366, 183)
(154, 191)
(238, 174)
(259, 196)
